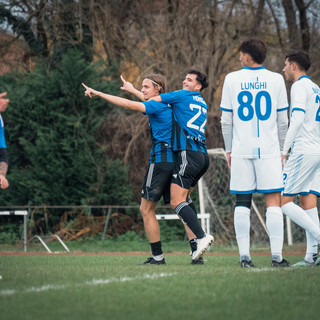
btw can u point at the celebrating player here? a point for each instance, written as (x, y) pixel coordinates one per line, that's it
(254, 124)
(302, 170)
(159, 174)
(192, 161)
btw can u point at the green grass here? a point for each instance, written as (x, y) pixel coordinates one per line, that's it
(115, 287)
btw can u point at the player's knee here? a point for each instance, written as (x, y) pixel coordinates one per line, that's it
(243, 200)
(173, 204)
(145, 211)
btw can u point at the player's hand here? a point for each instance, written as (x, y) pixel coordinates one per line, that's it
(3, 102)
(126, 85)
(4, 184)
(89, 91)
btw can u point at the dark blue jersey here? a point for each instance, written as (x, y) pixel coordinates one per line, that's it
(160, 121)
(189, 119)
(2, 139)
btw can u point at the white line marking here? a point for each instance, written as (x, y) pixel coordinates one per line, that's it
(87, 283)
(269, 269)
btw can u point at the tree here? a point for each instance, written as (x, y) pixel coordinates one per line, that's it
(52, 130)
(50, 27)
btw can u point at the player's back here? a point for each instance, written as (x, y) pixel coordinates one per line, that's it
(189, 119)
(305, 96)
(254, 95)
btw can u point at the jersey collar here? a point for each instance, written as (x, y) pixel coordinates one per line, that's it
(254, 68)
(304, 76)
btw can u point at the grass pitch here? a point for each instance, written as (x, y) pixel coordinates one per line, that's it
(115, 287)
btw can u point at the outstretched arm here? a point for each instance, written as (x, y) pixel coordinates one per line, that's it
(118, 101)
(128, 86)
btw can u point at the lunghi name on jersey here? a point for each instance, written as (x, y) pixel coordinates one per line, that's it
(253, 85)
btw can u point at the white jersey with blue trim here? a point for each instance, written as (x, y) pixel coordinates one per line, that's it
(254, 96)
(305, 97)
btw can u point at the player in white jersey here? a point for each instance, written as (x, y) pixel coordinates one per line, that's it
(302, 170)
(254, 123)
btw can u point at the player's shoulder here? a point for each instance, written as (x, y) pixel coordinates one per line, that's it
(234, 74)
(176, 92)
(299, 85)
(273, 74)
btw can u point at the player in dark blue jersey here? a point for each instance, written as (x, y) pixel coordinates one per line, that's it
(188, 141)
(161, 163)
(3, 147)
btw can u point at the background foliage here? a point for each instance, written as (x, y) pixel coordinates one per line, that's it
(52, 133)
(67, 149)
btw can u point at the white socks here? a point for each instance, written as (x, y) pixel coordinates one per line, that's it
(312, 245)
(274, 222)
(301, 218)
(158, 258)
(242, 229)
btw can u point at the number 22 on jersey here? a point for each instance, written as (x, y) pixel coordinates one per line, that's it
(191, 124)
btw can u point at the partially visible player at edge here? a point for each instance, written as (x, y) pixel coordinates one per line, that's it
(254, 124)
(302, 170)
(158, 177)
(4, 184)
(192, 161)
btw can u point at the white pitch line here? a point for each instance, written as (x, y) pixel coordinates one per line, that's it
(93, 282)
(273, 269)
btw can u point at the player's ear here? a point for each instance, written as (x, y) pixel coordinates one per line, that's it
(198, 87)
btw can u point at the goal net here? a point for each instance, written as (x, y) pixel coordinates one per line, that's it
(215, 198)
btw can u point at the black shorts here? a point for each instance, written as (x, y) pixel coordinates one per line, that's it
(190, 167)
(157, 182)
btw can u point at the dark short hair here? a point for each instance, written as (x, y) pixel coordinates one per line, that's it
(201, 78)
(300, 57)
(256, 48)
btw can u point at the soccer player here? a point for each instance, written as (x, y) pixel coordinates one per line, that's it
(159, 174)
(254, 123)
(153, 223)
(192, 161)
(4, 184)
(302, 170)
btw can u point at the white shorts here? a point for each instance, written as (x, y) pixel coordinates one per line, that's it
(256, 175)
(301, 175)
